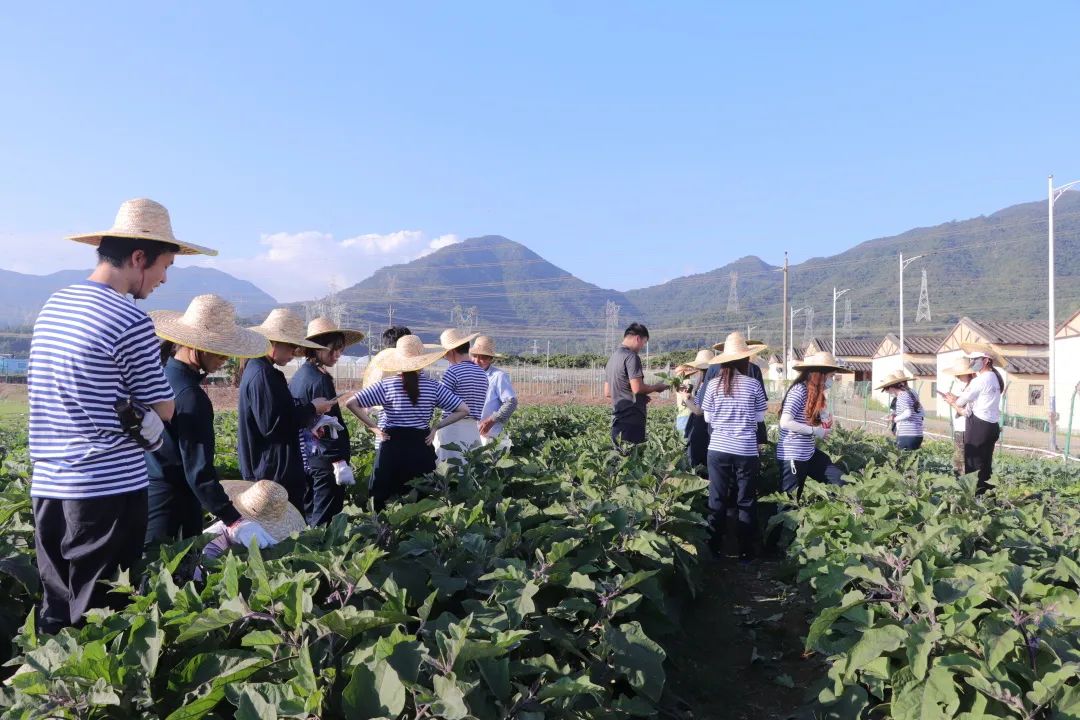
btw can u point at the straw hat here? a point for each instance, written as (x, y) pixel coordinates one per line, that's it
(700, 361)
(719, 347)
(267, 503)
(823, 360)
(209, 324)
(894, 378)
(982, 350)
(961, 366)
(452, 338)
(409, 355)
(735, 348)
(324, 326)
(485, 346)
(283, 325)
(143, 219)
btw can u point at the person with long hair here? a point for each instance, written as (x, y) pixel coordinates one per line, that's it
(908, 414)
(805, 419)
(733, 405)
(328, 470)
(982, 401)
(183, 480)
(692, 375)
(408, 399)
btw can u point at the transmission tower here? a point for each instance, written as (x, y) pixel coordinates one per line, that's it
(808, 333)
(733, 294)
(847, 316)
(924, 302)
(465, 320)
(611, 326)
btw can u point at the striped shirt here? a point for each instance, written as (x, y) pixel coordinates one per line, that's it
(792, 445)
(469, 382)
(397, 408)
(909, 421)
(91, 347)
(733, 418)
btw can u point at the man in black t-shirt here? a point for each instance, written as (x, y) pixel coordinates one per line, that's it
(624, 383)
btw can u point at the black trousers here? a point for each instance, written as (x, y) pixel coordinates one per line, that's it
(979, 440)
(173, 513)
(625, 434)
(733, 475)
(401, 458)
(909, 442)
(324, 498)
(80, 543)
(820, 467)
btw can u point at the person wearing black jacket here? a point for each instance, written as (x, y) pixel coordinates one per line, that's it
(269, 417)
(183, 480)
(328, 461)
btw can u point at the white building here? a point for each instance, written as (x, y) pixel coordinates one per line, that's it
(1067, 371)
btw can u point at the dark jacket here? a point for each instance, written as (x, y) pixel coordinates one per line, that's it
(697, 430)
(307, 384)
(270, 421)
(186, 455)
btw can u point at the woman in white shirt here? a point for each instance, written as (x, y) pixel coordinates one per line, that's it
(961, 370)
(908, 414)
(982, 401)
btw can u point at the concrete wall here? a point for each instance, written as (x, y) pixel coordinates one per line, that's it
(1066, 379)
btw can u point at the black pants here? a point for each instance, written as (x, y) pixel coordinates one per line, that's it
(909, 442)
(79, 543)
(820, 467)
(173, 513)
(979, 439)
(627, 433)
(401, 458)
(733, 475)
(324, 498)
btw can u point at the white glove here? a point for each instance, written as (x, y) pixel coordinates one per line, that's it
(152, 429)
(821, 432)
(343, 474)
(242, 533)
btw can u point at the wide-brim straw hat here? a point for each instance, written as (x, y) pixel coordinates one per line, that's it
(719, 347)
(961, 366)
(409, 355)
(453, 338)
(283, 325)
(982, 350)
(736, 348)
(485, 346)
(325, 326)
(143, 219)
(823, 360)
(267, 503)
(209, 324)
(700, 361)
(894, 378)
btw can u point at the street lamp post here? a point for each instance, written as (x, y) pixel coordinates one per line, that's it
(749, 329)
(791, 340)
(1053, 194)
(903, 265)
(836, 296)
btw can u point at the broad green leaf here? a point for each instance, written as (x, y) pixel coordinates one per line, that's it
(637, 657)
(374, 690)
(920, 645)
(871, 645)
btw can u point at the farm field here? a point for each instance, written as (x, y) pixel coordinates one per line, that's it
(564, 581)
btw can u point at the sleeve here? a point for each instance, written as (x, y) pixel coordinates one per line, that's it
(708, 402)
(138, 356)
(506, 410)
(795, 405)
(505, 389)
(971, 392)
(447, 400)
(371, 396)
(904, 408)
(268, 419)
(449, 380)
(633, 367)
(193, 424)
(761, 402)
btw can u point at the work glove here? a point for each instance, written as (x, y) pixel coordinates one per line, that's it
(821, 432)
(241, 533)
(343, 474)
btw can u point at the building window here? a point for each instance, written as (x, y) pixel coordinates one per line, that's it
(1035, 395)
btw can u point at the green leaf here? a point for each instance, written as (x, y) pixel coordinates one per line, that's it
(213, 618)
(635, 655)
(570, 687)
(934, 698)
(823, 622)
(374, 690)
(871, 645)
(451, 700)
(920, 645)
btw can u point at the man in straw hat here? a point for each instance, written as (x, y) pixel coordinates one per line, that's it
(469, 382)
(501, 400)
(329, 472)
(270, 419)
(624, 383)
(93, 354)
(183, 480)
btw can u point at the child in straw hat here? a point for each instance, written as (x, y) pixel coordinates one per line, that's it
(981, 399)
(469, 382)
(329, 472)
(408, 399)
(501, 400)
(962, 373)
(183, 480)
(270, 419)
(91, 349)
(907, 411)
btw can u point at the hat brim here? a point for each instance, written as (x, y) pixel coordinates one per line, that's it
(236, 341)
(749, 343)
(277, 336)
(394, 363)
(825, 368)
(997, 357)
(186, 248)
(724, 358)
(889, 382)
(959, 371)
(291, 521)
(352, 337)
(461, 341)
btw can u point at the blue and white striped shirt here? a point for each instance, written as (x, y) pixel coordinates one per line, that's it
(397, 408)
(792, 445)
(909, 421)
(469, 382)
(733, 418)
(91, 347)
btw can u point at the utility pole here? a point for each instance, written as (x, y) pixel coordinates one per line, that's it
(903, 264)
(847, 316)
(836, 296)
(784, 318)
(733, 295)
(390, 315)
(1053, 195)
(536, 350)
(749, 329)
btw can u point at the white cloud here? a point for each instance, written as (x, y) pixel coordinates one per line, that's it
(302, 266)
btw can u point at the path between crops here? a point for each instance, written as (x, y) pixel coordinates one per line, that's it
(740, 656)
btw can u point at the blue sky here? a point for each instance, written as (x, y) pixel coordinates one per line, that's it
(627, 142)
